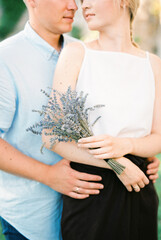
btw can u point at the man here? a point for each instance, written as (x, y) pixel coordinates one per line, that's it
(27, 65)
(31, 183)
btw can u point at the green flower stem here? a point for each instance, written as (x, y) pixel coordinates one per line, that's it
(117, 167)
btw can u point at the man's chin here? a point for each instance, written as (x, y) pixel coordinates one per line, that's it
(67, 29)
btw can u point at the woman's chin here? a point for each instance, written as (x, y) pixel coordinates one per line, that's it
(92, 28)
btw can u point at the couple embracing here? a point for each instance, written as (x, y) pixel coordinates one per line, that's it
(70, 192)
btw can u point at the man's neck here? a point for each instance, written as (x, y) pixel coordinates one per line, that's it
(55, 40)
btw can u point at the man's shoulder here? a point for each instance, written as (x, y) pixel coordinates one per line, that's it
(11, 43)
(69, 39)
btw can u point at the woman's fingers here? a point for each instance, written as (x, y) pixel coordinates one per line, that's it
(97, 144)
(141, 184)
(129, 188)
(92, 139)
(136, 188)
(99, 151)
(105, 156)
(145, 180)
(132, 176)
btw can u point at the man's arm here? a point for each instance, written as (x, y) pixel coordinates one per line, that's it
(60, 177)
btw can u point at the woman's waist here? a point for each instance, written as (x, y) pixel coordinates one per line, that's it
(138, 161)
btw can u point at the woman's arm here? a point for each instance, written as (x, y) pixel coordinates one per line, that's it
(66, 75)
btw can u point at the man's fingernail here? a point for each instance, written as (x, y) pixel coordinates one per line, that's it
(101, 187)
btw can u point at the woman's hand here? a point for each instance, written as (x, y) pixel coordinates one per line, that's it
(108, 146)
(132, 177)
(153, 168)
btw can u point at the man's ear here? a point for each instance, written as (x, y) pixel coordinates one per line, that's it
(31, 3)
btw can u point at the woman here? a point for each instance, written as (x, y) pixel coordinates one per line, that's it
(115, 72)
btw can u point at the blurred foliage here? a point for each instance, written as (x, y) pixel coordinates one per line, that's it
(76, 32)
(158, 188)
(11, 11)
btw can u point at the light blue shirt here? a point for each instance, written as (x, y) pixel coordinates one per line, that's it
(27, 65)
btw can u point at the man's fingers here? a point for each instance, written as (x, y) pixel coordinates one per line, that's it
(89, 185)
(154, 177)
(151, 158)
(86, 191)
(77, 195)
(154, 162)
(153, 165)
(87, 177)
(152, 171)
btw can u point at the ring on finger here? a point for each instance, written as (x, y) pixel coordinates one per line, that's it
(77, 189)
(136, 188)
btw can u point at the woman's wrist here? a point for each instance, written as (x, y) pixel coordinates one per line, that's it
(130, 145)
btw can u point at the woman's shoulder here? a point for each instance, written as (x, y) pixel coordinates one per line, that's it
(76, 48)
(156, 64)
(73, 53)
(155, 59)
(79, 47)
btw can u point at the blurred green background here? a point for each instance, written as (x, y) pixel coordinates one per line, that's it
(147, 33)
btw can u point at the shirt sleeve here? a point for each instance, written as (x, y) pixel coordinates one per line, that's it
(7, 98)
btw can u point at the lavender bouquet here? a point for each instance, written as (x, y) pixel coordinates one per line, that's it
(68, 120)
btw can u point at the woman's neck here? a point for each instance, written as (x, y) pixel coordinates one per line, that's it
(116, 37)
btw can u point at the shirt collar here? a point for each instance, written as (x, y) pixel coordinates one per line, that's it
(45, 48)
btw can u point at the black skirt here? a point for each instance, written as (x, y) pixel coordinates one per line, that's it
(114, 214)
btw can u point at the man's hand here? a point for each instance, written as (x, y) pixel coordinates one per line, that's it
(132, 177)
(153, 168)
(62, 178)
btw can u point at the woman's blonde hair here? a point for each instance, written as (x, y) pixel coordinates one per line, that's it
(133, 6)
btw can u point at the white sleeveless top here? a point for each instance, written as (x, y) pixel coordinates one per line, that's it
(125, 84)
